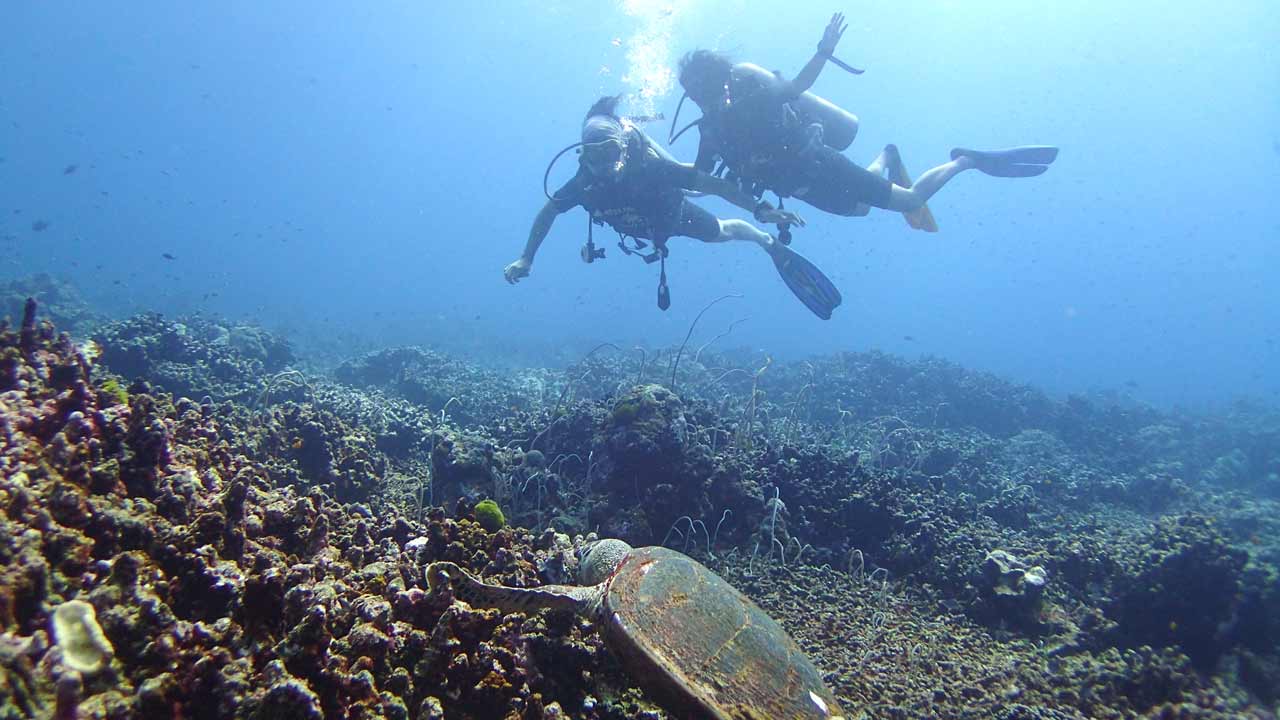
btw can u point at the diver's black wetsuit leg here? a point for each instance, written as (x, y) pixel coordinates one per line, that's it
(698, 223)
(835, 184)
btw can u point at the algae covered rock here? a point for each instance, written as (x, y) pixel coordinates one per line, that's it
(646, 425)
(489, 515)
(1184, 591)
(461, 465)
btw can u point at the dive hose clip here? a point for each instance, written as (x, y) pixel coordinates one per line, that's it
(664, 292)
(590, 253)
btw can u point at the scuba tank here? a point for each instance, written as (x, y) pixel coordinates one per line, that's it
(839, 126)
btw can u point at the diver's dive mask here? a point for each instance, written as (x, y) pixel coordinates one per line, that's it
(605, 157)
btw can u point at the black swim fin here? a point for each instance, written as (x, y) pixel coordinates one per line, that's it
(806, 281)
(1023, 161)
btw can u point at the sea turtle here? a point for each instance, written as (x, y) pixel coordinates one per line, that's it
(699, 646)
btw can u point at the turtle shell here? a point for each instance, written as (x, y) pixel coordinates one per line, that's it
(703, 648)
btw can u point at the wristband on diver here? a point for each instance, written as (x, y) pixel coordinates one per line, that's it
(761, 207)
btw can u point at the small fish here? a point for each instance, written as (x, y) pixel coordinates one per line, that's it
(70, 169)
(167, 256)
(909, 338)
(617, 42)
(39, 226)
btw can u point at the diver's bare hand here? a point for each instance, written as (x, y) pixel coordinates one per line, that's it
(831, 36)
(774, 216)
(517, 270)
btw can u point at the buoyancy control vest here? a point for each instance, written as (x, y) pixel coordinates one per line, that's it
(637, 203)
(759, 134)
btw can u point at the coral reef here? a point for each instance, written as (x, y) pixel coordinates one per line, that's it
(944, 544)
(439, 383)
(59, 300)
(1183, 590)
(195, 357)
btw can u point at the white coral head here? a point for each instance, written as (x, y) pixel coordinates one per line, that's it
(84, 647)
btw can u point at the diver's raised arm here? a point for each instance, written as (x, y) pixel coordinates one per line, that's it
(826, 47)
(541, 226)
(761, 211)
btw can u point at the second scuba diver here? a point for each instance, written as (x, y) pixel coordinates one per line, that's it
(772, 134)
(626, 180)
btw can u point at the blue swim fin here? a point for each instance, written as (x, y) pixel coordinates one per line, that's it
(1023, 161)
(806, 281)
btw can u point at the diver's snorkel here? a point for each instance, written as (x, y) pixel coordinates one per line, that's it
(589, 252)
(672, 134)
(547, 175)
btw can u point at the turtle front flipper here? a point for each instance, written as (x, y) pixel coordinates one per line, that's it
(580, 600)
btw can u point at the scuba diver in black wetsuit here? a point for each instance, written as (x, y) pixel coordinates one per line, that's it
(772, 134)
(626, 180)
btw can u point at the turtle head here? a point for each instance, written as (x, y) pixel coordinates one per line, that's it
(599, 559)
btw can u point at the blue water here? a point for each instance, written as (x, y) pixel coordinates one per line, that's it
(365, 172)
